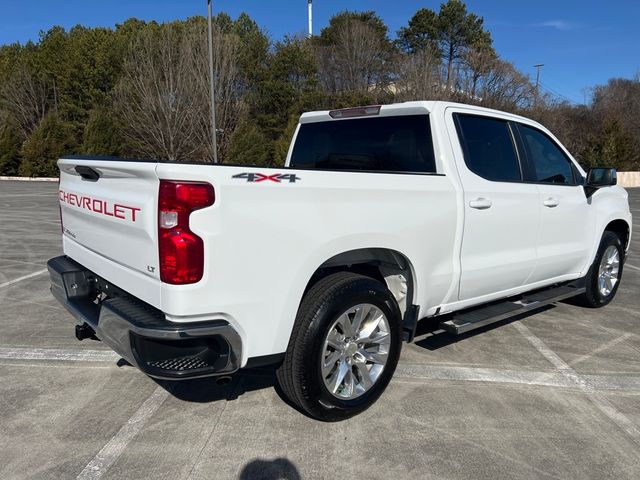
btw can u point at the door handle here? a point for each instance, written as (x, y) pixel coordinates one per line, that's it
(480, 203)
(551, 202)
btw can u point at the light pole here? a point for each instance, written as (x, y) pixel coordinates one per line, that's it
(213, 90)
(538, 67)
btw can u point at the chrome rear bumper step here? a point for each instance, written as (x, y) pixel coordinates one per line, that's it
(471, 319)
(140, 333)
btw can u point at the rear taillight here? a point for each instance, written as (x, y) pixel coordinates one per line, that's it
(181, 250)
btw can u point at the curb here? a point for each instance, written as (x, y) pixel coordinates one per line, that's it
(30, 179)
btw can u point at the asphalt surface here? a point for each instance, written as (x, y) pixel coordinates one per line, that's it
(555, 394)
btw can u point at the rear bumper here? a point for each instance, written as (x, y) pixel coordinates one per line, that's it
(140, 332)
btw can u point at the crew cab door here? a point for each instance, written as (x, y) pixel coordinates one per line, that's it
(567, 222)
(501, 212)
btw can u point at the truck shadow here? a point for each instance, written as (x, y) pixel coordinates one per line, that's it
(435, 337)
(207, 390)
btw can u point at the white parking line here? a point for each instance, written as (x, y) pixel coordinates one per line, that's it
(114, 447)
(24, 277)
(22, 262)
(10, 195)
(473, 374)
(520, 377)
(76, 355)
(550, 355)
(602, 348)
(404, 371)
(601, 403)
(626, 265)
(565, 377)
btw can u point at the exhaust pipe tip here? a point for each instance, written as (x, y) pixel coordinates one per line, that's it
(224, 380)
(85, 331)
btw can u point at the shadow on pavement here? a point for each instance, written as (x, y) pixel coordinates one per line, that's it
(277, 469)
(212, 389)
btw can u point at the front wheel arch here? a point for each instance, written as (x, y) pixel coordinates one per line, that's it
(593, 297)
(621, 229)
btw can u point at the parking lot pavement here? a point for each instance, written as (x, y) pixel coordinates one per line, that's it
(554, 394)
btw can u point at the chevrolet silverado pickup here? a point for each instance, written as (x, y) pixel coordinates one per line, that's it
(381, 216)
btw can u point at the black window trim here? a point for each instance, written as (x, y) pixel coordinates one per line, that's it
(465, 151)
(530, 167)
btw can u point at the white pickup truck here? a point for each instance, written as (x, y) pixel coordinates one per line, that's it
(382, 216)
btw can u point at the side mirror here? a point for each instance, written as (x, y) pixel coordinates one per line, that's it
(599, 177)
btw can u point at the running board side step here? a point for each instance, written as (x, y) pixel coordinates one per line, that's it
(467, 320)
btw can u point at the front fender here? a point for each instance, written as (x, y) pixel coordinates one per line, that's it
(611, 203)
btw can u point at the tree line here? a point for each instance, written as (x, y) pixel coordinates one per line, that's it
(141, 89)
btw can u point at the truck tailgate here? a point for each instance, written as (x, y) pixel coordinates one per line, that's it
(109, 208)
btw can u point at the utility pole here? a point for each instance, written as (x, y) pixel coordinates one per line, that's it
(310, 8)
(538, 67)
(213, 91)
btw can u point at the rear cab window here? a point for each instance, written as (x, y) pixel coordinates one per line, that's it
(375, 144)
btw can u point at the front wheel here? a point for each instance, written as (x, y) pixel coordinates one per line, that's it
(344, 347)
(603, 279)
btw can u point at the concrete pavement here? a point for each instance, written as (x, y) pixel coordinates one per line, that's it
(554, 394)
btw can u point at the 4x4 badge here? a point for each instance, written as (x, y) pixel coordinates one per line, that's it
(261, 177)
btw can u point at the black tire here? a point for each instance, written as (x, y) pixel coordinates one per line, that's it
(593, 298)
(300, 376)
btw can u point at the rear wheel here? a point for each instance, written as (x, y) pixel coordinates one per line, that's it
(344, 347)
(603, 278)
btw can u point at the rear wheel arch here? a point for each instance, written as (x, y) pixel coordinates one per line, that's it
(390, 267)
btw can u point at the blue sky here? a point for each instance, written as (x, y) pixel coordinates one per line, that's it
(581, 42)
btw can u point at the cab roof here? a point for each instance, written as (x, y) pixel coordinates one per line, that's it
(404, 108)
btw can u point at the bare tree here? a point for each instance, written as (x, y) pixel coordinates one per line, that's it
(163, 96)
(358, 60)
(477, 63)
(418, 76)
(486, 80)
(229, 87)
(620, 98)
(27, 96)
(481, 79)
(504, 87)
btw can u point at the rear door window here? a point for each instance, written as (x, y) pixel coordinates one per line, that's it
(547, 162)
(488, 147)
(384, 144)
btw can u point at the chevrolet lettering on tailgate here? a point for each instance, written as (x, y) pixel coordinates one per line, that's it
(96, 205)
